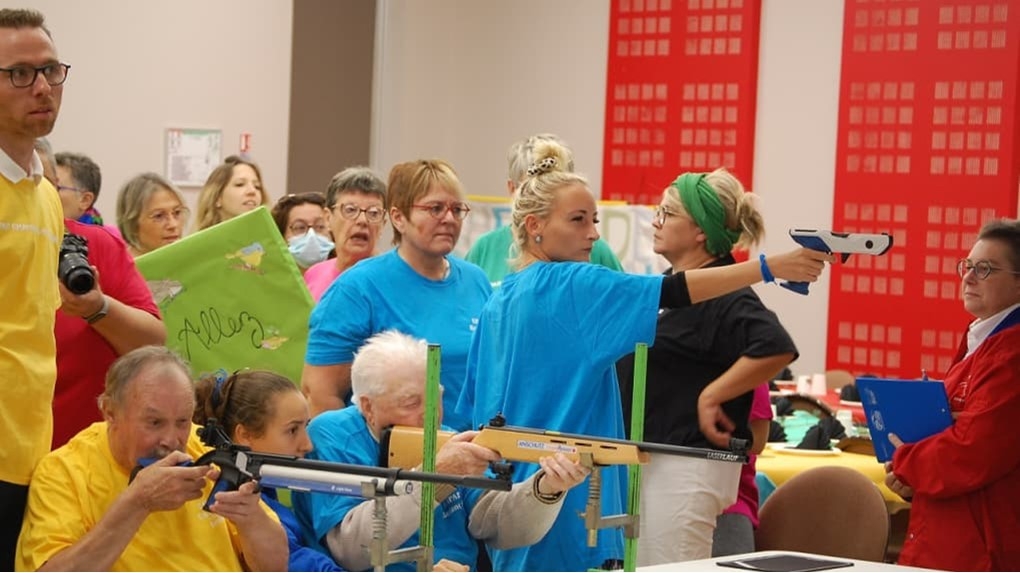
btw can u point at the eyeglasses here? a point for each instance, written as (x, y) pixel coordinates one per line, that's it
(660, 215)
(300, 227)
(981, 269)
(438, 210)
(69, 188)
(163, 217)
(351, 211)
(25, 76)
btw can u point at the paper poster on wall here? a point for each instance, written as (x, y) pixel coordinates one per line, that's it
(232, 297)
(627, 229)
(191, 155)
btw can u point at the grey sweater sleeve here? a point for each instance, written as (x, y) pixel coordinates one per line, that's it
(515, 518)
(349, 540)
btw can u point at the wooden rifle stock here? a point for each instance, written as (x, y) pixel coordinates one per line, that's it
(401, 447)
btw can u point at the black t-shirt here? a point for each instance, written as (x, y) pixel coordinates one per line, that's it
(694, 346)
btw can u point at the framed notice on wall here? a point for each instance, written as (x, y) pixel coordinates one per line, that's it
(191, 155)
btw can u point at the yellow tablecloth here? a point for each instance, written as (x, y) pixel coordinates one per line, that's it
(780, 465)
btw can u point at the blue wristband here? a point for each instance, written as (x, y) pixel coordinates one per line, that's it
(766, 274)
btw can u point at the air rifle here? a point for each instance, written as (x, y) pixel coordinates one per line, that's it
(400, 447)
(238, 464)
(844, 244)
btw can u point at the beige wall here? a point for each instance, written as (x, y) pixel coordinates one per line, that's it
(141, 67)
(795, 150)
(463, 79)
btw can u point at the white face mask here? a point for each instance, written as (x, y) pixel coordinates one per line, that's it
(309, 248)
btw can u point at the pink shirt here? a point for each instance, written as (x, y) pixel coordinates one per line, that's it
(319, 276)
(747, 491)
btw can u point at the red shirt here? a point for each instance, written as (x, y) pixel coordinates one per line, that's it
(83, 355)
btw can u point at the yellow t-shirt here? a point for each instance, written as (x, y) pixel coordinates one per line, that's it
(31, 228)
(74, 485)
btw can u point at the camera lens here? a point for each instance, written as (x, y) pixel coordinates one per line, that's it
(80, 280)
(73, 269)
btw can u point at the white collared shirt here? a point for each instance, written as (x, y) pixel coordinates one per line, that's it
(14, 173)
(981, 328)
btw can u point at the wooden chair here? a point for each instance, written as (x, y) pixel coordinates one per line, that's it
(857, 445)
(836, 379)
(828, 510)
(811, 405)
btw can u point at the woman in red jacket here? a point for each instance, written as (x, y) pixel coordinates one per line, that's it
(965, 480)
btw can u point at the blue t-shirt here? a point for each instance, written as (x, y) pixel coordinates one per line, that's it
(301, 558)
(543, 355)
(383, 293)
(343, 436)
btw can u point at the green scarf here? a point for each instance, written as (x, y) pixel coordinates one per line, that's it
(703, 205)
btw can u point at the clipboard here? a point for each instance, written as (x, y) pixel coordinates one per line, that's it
(785, 562)
(911, 409)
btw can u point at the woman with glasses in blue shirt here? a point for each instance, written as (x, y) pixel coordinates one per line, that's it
(416, 288)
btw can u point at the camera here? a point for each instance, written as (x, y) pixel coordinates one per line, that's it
(74, 270)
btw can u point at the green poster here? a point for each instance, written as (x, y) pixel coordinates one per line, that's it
(232, 297)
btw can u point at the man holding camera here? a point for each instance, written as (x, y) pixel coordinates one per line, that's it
(31, 86)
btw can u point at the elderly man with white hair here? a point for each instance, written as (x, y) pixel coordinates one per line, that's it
(388, 379)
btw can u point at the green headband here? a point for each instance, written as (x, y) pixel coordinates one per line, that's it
(701, 202)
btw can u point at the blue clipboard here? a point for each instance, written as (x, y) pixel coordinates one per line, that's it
(911, 409)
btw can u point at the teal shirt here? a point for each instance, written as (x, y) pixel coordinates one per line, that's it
(492, 252)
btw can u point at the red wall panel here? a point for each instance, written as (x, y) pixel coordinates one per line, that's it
(926, 150)
(680, 95)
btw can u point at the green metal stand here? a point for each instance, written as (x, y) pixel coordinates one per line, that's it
(428, 491)
(637, 433)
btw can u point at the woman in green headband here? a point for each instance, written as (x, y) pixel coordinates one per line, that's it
(705, 363)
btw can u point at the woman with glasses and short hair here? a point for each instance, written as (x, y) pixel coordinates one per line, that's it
(964, 480)
(301, 219)
(151, 213)
(416, 288)
(355, 214)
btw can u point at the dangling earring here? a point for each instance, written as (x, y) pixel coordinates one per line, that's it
(538, 239)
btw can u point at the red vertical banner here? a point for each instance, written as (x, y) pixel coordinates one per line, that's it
(680, 93)
(926, 151)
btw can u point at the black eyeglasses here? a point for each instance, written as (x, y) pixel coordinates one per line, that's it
(438, 210)
(69, 188)
(25, 76)
(351, 211)
(981, 269)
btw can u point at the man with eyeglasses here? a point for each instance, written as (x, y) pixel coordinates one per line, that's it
(79, 180)
(31, 228)
(965, 512)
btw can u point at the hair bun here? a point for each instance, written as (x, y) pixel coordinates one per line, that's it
(544, 166)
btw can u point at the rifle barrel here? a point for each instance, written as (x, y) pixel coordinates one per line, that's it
(702, 453)
(375, 472)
